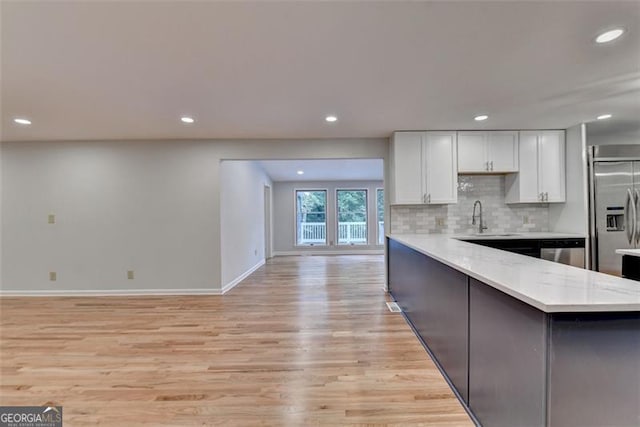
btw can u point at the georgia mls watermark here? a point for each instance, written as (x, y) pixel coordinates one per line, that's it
(30, 416)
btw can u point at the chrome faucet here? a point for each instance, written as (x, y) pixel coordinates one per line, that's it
(481, 226)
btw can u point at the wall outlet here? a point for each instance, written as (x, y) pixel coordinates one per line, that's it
(525, 219)
(440, 221)
(53, 276)
(51, 219)
(130, 275)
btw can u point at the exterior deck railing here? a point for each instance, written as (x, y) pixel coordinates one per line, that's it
(348, 233)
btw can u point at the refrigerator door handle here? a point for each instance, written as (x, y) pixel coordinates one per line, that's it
(636, 210)
(630, 218)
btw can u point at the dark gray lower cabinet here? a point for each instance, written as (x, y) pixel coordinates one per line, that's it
(435, 299)
(507, 359)
(594, 377)
(512, 364)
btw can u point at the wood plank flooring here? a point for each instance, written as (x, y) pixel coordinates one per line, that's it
(304, 341)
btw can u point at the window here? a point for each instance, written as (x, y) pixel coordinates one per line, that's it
(311, 217)
(380, 214)
(352, 217)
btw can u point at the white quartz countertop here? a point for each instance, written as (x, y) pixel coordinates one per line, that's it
(632, 252)
(546, 285)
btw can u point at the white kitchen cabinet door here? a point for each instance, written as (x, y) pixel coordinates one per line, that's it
(407, 185)
(551, 165)
(502, 151)
(541, 176)
(472, 155)
(529, 167)
(441, 167)
(487, 152)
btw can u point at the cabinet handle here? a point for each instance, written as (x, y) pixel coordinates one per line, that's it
(541, 197)
(428, 198)
(630, 226)
(424, 198)
(546, 197)
(486, 166)
(491, 164)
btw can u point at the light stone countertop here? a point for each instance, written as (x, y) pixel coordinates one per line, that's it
(632, 252)
(548, 286)
(517, 236)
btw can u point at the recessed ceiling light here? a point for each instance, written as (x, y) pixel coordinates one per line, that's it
(187, 119)
(604, 117)
(300, 172)
(331, 119)
(481, 118)
(21, 121)
(609, 36)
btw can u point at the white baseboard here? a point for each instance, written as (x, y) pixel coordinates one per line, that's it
(338, 252)
(226, 288)
(128, 292)
(107, 292)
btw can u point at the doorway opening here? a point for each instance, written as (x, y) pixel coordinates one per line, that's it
(268, 224)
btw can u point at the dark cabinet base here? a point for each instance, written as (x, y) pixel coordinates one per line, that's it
(512, 364)
(507, 359)
(631, 267)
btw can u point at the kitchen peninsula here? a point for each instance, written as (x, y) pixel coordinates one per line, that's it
(630, 263)
(523, 341)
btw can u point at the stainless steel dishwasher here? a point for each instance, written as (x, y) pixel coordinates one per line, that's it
(564, 251)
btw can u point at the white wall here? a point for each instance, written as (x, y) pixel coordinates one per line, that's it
(1, 215)
(242, 218)
(284, 218)
(603, 133)
(148, 206)
(572, 216)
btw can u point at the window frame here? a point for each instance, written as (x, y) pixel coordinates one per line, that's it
(337, 213)
(377, 220)
(295, 218)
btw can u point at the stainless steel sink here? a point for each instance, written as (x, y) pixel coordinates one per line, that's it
(479, 236)
(497, 234)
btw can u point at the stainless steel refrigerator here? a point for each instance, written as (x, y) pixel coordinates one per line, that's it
(614, 186)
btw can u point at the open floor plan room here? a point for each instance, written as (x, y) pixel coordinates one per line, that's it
(320, 213)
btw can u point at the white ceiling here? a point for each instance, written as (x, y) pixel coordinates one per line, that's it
(119, 70)
(325, 170)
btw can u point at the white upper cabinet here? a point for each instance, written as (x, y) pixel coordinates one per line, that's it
(406, 162)
(551, 164)
(423, 168)
(526, 189)
(472, 152)
(503, 151)
(488, 152)
(440, 166)
(541, 178)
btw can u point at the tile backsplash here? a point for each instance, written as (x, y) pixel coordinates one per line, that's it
(456, 218)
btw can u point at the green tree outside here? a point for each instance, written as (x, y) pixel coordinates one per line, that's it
(380, 204)
(312, 206)
(352, 206)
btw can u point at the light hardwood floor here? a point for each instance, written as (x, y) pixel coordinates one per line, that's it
(303, 341)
